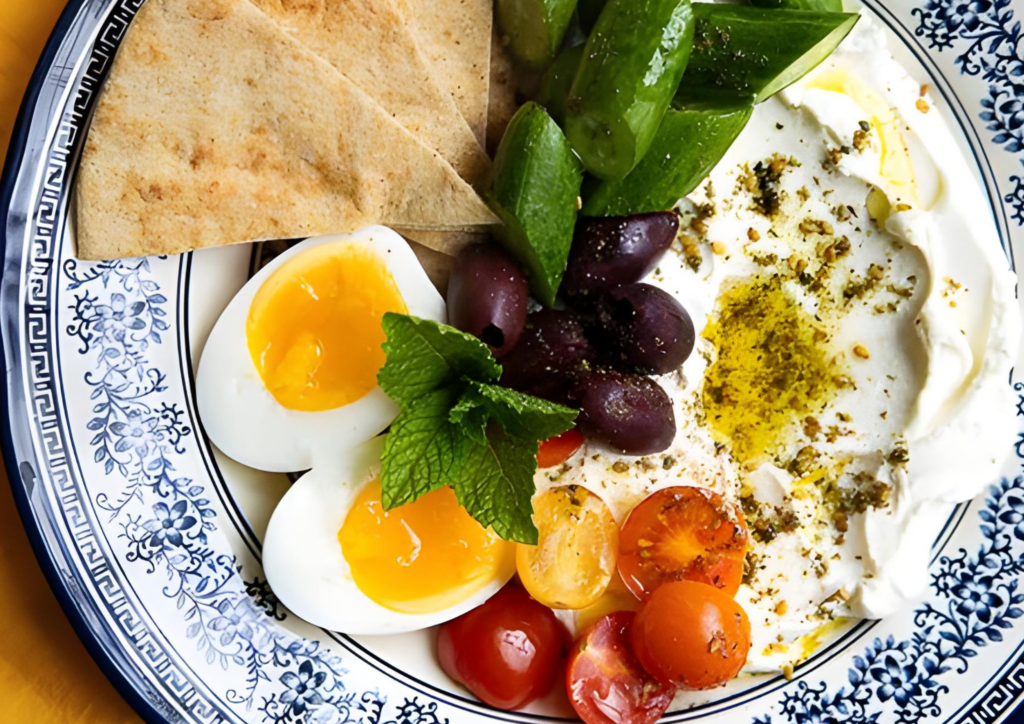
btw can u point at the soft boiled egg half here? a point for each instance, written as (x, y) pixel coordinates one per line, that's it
(288, 377)
(337, 559)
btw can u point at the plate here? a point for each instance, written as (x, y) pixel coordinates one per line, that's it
(151, 539)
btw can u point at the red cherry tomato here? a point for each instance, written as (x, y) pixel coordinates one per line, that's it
(605, 681)
(683, 534)
(556, 450)
(506, 651)
(691, 635)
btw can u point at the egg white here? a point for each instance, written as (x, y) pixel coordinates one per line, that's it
(241, 416)
(303, 561)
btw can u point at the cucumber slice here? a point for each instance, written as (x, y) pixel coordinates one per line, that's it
(535, 28)
(688, 145)
(741, 51)
(554, 87)
(830, 6)
(535, 194)
(632, 64)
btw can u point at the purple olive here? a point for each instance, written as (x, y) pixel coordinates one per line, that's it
(646, 329)
(609, 252)
(487, 297)
(552, 351)
(631, 414)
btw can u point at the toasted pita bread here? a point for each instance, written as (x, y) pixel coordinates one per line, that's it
(216, 126)
(444, 242)
(437, 265)
(371, 43)
(502, 104)
(456, 38)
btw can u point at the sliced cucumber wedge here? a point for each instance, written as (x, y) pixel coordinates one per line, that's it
(830, 6)
(535, 28)
(632, 64)
(554, 86)
(741, 51)
(688, 145)
(535, 193)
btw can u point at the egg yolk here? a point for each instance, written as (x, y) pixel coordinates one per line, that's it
(314, 326)
(422, 557)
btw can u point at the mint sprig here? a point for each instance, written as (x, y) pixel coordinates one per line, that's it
(423, 356)
(458, 428)
(495, 484)
(519, 414)
(422, 451)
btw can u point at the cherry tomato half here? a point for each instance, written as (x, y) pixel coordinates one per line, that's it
(683, 534)
(506, 651)
(556, 450)
(605, 681)
(574, 559)
(691, 635)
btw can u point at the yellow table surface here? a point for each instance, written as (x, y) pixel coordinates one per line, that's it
(46, 675)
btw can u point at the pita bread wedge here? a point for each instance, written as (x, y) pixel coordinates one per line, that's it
(438, 266)
(502, 103)
(215, 126)
(371, 43)
(444, 242)
(456, 37)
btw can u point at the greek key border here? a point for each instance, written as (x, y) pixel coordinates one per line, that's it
(41, 275)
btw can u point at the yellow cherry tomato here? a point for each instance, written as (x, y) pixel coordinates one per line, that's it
(574, 559)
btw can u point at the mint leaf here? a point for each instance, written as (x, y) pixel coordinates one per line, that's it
(519, 414)
(471, 417)
(495, 484)
(457, 428)
(424, 450)
(423, 355)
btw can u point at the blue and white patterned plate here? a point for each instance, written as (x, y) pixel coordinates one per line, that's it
(151, 541)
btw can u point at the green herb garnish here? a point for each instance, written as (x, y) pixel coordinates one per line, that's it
(459, 428)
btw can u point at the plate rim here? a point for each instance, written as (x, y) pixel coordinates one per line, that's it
(133, 691)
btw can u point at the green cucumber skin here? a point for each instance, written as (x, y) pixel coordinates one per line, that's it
(554, 87)
(688, 145)
(535, 193)
(632, 64)
(829, 6)
(741, 51)
(535, 28)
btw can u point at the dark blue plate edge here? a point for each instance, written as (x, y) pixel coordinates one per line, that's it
(128, 689)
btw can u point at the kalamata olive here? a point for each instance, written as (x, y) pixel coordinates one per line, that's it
(609, 252)
(631, 414)
(552, 350)
(646, 328)
(487, 296)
